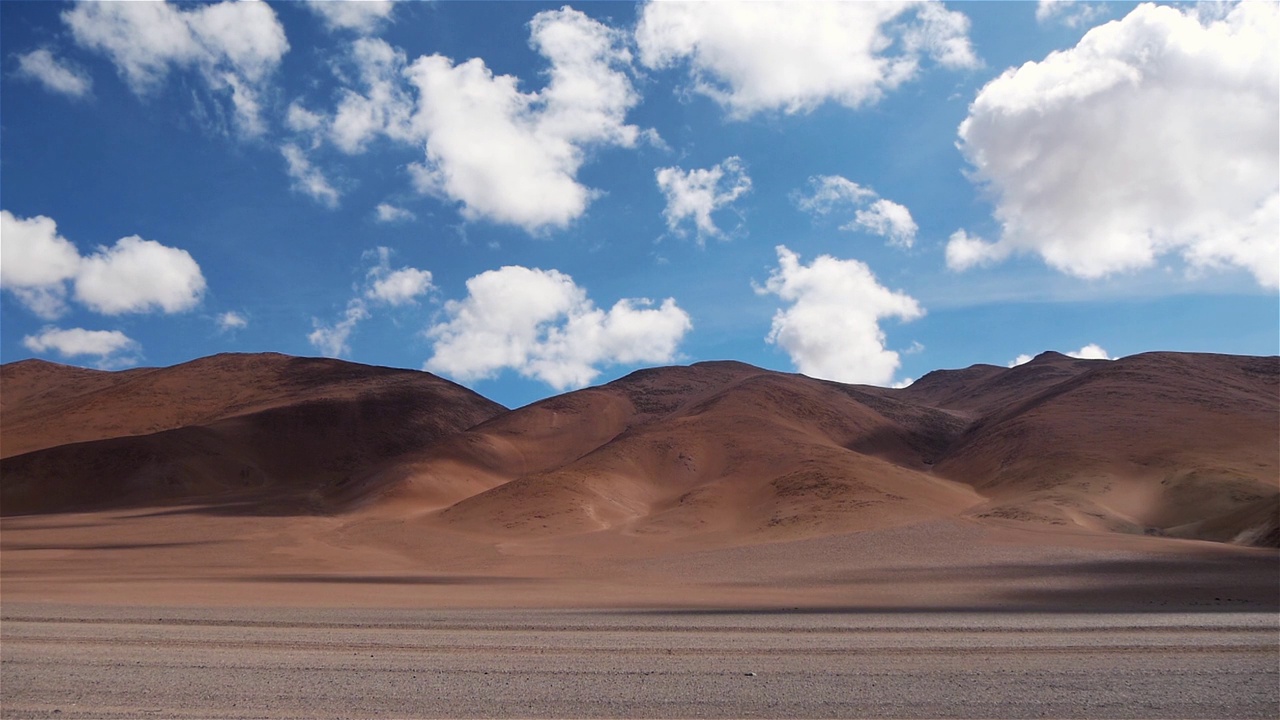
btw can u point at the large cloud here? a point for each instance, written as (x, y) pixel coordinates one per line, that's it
(695, 194)
(54, 74)
(233, 46)
(872, 213)
(137, 275)
(513, 157)
(542, 324)
(112, 347)
(758, 56)
(1155, 135)
(831, 329)
(134, 275)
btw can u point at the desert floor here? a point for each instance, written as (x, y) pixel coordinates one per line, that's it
(189, 613)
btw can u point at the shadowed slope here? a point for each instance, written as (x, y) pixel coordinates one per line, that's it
(1159, 442)
(281, 433)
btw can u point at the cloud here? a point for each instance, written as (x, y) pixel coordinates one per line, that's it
(695, 194)
(134, 275)
(36, 263)
(232, 46)
(383, 108)
(1092, 351)
(388, 213)
(1155, 135)
(55, 75)
(831, 329)
(1071, 13)
(307, 178)
(541, 324)
(395, 287)
(364, 16)
(112, 347)
(513, 157)
(872, 213)
(231, 320)
(137, 275)
(762, 56)
(332, 340)
(965, 251)
(382, 286)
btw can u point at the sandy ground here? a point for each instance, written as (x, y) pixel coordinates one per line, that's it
(92, 662)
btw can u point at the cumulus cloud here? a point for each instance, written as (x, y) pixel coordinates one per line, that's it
(1155, 135)
(1092, 351)
(401, 286)
(965, 251)
(388, 213)
(696, 194)
(55, 75)
(307, 178)
(112, 347)
(137, 275)
(382, 286)
(872, 213)
(761, 56)
(382, 108)
(362, 16)
(232, 46)
(831, 328)
(36, 263)
(541, 324)
(134, 275)
(231, 320)
(513, 157)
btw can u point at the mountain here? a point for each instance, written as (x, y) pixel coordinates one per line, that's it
(1159, 444)
(269, 433)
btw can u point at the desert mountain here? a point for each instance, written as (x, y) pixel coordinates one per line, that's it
(1158, 444)
(272, 432)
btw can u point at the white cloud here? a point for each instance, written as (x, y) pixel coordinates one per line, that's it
(109, 346)
(389, 213)
(1071, 13)
(872, 213)
(299, 119)
(831, 329)
(233, 46)
(965, 251)
(695, 194)
(382, 286)
(332, 340)
(394, 287)
(361, 16)
(1155, 135)
(137, 275)
(56, 75)
(904, 382)
(384, 108)
(36, 263)
(1092, 351)
(541, 324)
(513, 157)
(307, 178)
(231, 320)
(760, 56)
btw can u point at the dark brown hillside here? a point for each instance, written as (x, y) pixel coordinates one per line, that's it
(270, 430)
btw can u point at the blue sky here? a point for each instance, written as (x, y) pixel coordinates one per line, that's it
(530, 198)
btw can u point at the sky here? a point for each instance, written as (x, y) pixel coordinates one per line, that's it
(532, 198)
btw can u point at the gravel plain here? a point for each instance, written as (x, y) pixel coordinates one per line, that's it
(63, 661)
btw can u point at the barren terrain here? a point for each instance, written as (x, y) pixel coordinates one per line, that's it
(265, 536)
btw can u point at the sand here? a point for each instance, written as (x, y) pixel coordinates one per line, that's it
(86, 662)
